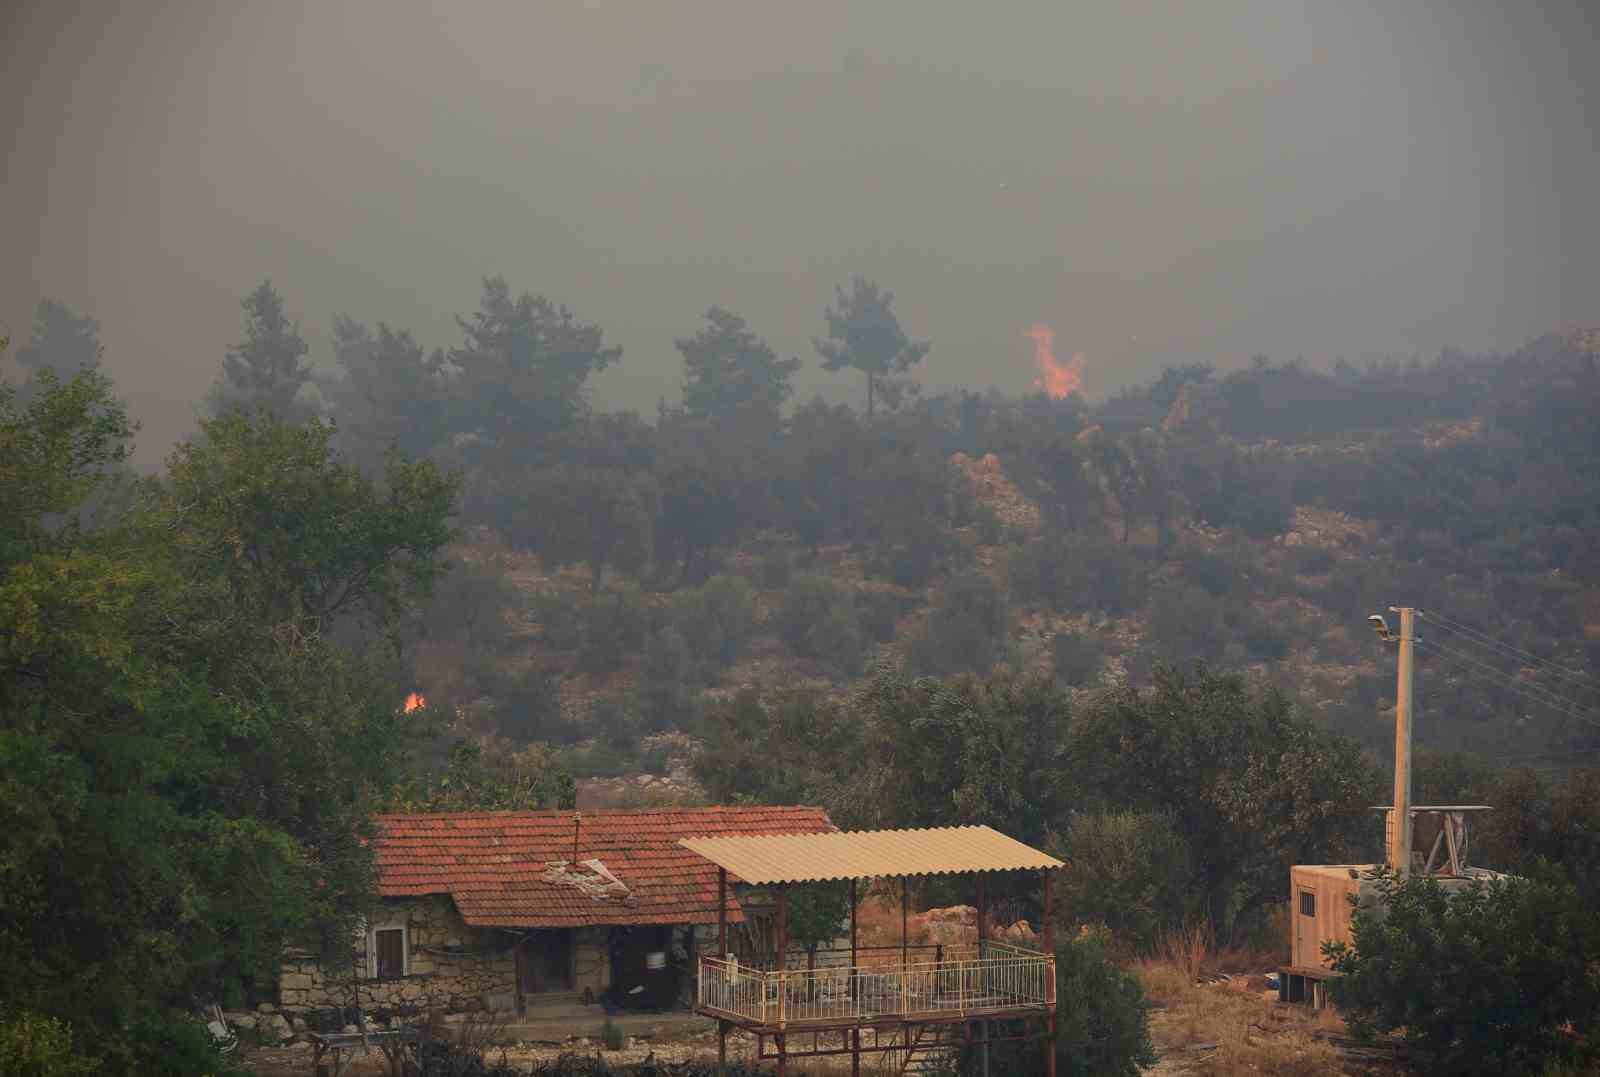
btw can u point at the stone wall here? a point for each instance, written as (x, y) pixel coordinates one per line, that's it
(450, 966)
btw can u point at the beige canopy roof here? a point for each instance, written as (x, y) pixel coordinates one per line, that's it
(861, 854)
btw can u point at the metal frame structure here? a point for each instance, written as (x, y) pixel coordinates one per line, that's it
(895, 1006)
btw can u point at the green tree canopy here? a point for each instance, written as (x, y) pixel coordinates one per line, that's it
(864, 334)
(523, 370)
(391, 395)
(297, 534)
(1498, 977)
(730, 372)
(186, 756)
(268, 369)
(595, 516)
(1250, 786)
(63, 343)
(53, 455)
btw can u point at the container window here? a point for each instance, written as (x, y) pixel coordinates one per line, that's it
(1308, 903)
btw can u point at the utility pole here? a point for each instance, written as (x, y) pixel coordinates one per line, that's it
(1400, 830)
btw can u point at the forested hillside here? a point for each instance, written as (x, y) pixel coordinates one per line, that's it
(447, 576)
(620, 573)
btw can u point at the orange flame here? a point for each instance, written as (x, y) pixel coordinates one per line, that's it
(415, 702)
(1056, 379)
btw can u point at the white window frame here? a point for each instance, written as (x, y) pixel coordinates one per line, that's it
(372, 948)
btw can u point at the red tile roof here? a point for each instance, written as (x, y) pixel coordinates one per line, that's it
(493, 864)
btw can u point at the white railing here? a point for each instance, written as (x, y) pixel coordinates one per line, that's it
(1005, 978)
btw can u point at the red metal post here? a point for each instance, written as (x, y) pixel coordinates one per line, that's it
(852, 935)
(722, 913)
(1049, 917)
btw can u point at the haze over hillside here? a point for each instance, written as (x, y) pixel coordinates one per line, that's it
(1161, 183)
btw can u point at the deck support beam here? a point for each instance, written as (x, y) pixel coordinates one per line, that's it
(982, 901)
(781, 944)
(722, 953)
(855, 1034)
(1048, 933)
(905, 909)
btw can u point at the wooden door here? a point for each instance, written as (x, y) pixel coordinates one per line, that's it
(1307, 948)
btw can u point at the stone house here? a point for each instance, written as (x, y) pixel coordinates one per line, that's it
(504, 911)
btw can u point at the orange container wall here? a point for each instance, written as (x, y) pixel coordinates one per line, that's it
(1326, 917)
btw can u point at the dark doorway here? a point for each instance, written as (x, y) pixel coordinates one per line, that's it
(546, 961)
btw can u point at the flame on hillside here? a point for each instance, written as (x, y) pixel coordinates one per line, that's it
(1056, 379)
(415, 702)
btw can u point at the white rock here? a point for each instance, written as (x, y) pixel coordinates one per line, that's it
(299, 1045)
(265, 1007)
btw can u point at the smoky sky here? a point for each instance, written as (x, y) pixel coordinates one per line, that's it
(1159, 182)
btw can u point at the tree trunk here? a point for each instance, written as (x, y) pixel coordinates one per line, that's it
(871, 382)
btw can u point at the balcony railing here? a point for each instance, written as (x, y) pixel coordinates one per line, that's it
(1005, 979)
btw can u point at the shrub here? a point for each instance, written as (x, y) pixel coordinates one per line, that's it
(911, 565)
(447, 1058)
(611, 1035)
(1076, 572)
(1131, 871)
(1102, 1021)
(775, 569)
(1207, 570)
(987, 525)
(805, 605)
(528, 707)
(1257, 633)
(879, 612)
(716, 620)
(966, 630)
(32, 1045)
(560, 620)
(1077, 659)
(1185, 626)
(614, 626)
(818, 620)
(614, 722)
(666, 700)
(1310, 560)
(471, 608)
(1494, 978)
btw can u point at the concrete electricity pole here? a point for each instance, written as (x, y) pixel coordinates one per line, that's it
(1400, 831)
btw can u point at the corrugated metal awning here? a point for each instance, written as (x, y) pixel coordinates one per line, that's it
(862, 854)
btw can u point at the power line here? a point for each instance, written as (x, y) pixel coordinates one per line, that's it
(1555, 703)
(1563, 753)
(1532, 691)
(1558, 690)
(1485, 640)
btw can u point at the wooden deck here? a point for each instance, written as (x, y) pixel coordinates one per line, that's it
(1005, 982)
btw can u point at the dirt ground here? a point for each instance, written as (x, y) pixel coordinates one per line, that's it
(1238, 1026)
